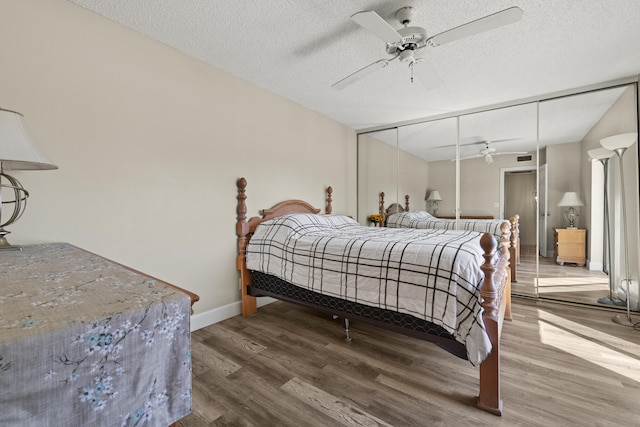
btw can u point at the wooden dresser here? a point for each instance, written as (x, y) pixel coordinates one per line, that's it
(570, 245)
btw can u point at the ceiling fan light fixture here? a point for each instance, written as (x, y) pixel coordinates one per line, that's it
(406, 56)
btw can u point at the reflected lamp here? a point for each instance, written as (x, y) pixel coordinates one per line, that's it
(570, 200)
(17, 152)
(603, 155)
(619, 144)
(433, 199)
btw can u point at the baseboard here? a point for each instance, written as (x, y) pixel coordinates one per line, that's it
(202, 320)
(595, 266)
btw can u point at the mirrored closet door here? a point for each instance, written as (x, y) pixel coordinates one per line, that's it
(535, 160)
(581, 255)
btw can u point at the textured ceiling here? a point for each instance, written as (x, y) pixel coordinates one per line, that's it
(299, 48)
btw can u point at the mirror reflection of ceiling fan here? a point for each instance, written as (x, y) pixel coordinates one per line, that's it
(488, 152)
(408, 44)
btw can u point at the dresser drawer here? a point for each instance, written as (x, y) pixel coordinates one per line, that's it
(571, 235)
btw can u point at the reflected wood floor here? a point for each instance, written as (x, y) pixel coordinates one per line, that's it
(290, 366)
(567, 282)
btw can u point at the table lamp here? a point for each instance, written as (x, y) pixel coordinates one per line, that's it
(571, 200)
(17, 152)
(433, 199)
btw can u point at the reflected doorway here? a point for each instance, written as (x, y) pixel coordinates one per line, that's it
(519, 197)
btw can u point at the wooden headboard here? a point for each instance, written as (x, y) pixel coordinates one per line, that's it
(392, 208)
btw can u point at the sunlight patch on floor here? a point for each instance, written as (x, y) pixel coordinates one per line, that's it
(590, 344)
(572, 281)
(569, 289)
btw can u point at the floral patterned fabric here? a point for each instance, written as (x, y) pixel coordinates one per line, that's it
(86, 341)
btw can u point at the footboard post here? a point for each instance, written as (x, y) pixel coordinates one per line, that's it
(489, 399)
(242, 230)
(513, 248)
(515, 236)
(506, 251)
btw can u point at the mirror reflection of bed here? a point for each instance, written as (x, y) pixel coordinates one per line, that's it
(539, 154)
(396, 215)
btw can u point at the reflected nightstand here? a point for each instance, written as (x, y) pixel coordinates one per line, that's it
(570, 245)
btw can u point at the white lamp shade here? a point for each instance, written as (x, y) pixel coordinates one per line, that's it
(434, 196)
(17, 149)
(570, 198)
(624, 140)
(600, 153)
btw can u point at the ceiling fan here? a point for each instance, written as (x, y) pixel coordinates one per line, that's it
(488, 152)
(407, 43)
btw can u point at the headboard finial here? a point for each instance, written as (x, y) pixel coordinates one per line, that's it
(328, 209)
(242, 197)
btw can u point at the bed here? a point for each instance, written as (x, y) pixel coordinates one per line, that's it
(483, 283)
(398, 216)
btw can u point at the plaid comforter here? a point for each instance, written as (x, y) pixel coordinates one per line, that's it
(430, 274)
(422, 219)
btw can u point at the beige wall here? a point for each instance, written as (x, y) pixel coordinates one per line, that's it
(150, 143)
(519, 198)
(479, 184)
(377, 171)
(564, 166)
(384, 167)
(442, 177)
(413, 180)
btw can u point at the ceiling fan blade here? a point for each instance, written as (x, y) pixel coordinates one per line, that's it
(489, 22)
(492, 154)
(426, 74)
(469, 157)
(487, 141)
(509, 152)
(373, 23)
(361, 73)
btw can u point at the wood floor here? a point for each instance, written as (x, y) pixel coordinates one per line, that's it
(290, 366)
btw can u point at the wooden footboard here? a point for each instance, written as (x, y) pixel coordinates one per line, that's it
(495, 290)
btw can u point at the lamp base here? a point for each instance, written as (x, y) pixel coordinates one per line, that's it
(572, 228)
(611, 301)
(6, 246)
(624, 320)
